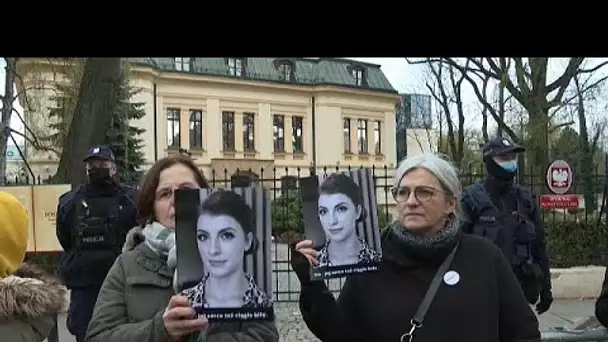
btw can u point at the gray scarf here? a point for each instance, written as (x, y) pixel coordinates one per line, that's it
(413, 239)
(408, 247)
(162, 241)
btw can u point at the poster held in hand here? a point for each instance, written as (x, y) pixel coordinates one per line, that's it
(341, 219)
(223, 240)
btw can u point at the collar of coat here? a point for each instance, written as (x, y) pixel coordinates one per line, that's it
(30, 293)
(133, 239)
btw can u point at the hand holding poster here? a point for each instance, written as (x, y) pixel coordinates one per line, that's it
(223, 252)
(340, 217)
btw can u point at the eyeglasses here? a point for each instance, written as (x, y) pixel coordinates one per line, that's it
(421, 193)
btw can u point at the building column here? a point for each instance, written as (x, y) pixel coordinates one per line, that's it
(288, 134)
(371, 139)
(184, 132)
(238, 132)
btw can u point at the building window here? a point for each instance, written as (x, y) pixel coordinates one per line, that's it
(196, 129)
(278, 128)
(357, 73)
(286, 72)
(228, 131)
(377, 138)
(182, 63)
(173, 127)
(248, 132)
(347, 147)
(414, 111)
(296, 133)
(235, 66)
(362, 135)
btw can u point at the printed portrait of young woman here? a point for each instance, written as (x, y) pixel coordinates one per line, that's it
(340, 209)
(225, 235)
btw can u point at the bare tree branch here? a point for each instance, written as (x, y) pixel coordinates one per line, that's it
(32, 138)
(592, 70)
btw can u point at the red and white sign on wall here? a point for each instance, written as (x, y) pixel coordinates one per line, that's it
(559, 181)
(559, 201)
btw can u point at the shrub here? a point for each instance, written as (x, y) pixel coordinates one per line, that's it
(576, 243)
(287, 215)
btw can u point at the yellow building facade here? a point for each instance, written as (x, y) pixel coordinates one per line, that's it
(247, 113)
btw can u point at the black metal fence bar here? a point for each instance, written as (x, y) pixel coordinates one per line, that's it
(283, 184)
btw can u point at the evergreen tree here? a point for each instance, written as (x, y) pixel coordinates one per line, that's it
(123, 138)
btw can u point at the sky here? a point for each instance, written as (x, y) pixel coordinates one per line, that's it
(405, 78)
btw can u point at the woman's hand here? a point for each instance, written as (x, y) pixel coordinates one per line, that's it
(306, 248)
(180, 319)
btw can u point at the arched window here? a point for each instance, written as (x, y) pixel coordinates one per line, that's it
(286, 69)
(358, 74)
(236, 66)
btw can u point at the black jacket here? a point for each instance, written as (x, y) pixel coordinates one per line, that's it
(74, 268)
(601, 304)
(505, 197)
(486, 305)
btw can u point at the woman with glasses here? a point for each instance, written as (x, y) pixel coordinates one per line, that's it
(434, 284)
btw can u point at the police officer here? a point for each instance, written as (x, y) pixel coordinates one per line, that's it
(508, 214)
(92, 223)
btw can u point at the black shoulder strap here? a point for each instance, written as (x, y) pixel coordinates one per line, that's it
(429, 296)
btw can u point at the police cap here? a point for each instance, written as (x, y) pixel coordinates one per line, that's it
(100, 152)
(501, 146)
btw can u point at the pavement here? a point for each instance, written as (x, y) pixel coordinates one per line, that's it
(563, 313)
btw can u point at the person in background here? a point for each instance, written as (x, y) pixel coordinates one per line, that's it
(138, 301)
(92, 223)
(508, 215)
(30, 298)
(434, 284)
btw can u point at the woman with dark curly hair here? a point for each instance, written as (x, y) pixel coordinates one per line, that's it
(225, 234)
(340, 208)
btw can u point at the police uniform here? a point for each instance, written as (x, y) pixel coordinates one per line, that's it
(508, 215)
(92, 224)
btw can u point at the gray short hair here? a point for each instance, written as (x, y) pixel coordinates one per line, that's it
(436, 164)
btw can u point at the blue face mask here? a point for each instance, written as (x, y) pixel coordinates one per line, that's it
(510, 165)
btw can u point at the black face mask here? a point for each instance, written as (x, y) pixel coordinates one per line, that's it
(498, 172)
(100, 176)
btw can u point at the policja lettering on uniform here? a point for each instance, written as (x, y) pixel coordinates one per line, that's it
(507, 214)
(92, 222)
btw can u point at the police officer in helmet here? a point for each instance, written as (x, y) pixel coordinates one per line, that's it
(507, 214)
(92, 223)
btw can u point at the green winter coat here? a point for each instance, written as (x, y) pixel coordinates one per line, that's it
(135, 294)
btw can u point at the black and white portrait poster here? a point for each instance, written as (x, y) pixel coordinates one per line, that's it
(340, 217)
(223, 240)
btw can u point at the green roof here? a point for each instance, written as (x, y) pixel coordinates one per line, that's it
(307, 71)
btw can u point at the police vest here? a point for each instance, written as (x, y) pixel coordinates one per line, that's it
(97, 223)
(513, 232)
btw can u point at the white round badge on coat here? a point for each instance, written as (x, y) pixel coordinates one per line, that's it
(451, 278)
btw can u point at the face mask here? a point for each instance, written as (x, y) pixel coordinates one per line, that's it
(99, 176)
(510, 165)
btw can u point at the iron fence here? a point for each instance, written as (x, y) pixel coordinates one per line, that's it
(283, 184)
